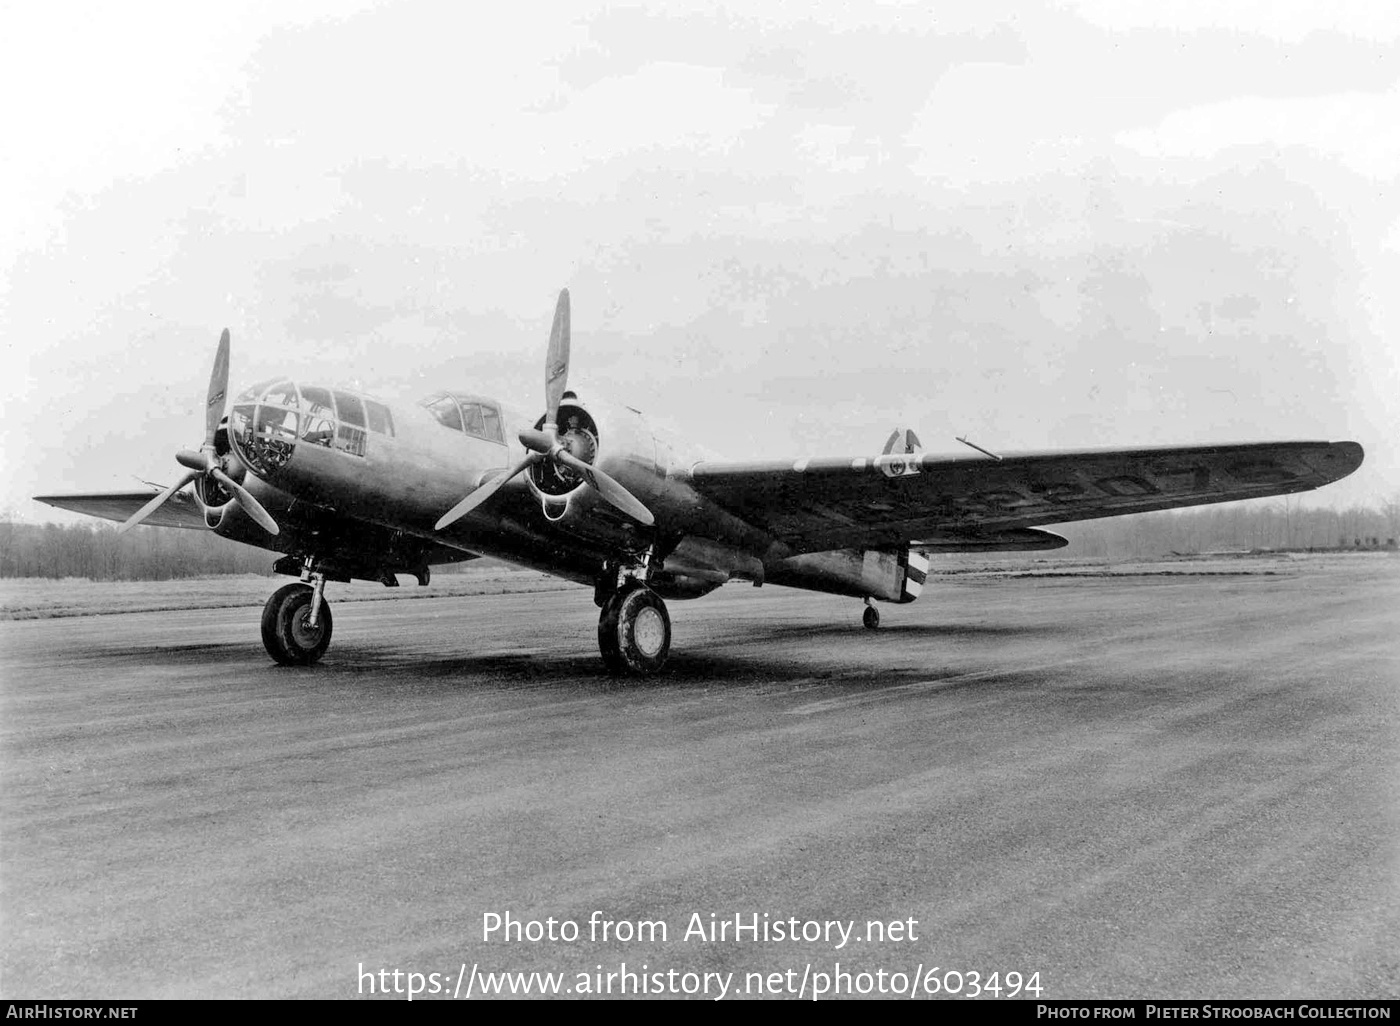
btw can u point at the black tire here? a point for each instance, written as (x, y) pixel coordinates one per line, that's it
(284, 631)
(871, 618)
(634, 632)
(604, 588)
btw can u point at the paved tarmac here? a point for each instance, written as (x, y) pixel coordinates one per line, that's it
(1134, 786)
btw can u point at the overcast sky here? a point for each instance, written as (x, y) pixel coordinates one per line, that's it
(787, 228)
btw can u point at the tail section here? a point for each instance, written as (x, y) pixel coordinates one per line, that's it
(913, 565)
(903, 441)
(887, 574)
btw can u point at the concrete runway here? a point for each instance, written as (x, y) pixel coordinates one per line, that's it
(1141, 786)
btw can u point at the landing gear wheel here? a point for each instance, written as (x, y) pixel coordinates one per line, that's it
(871, 618)
(286, 635)
(634, 632)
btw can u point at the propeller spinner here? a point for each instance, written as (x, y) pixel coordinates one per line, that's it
(544, 444)
(205, 462)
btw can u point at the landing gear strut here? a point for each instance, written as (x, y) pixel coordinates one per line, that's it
(871, 617)
(296, 622)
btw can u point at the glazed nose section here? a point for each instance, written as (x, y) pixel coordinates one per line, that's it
(273, 417)
(265, 424)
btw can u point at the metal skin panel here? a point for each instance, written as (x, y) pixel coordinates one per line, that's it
(854, 572)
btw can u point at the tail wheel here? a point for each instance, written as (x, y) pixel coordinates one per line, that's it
(286, 631)
(634, 632)
(871, 618)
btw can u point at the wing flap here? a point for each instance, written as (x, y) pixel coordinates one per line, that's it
(180, 511)
(895, 499)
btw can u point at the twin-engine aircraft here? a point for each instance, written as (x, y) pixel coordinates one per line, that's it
(346, 486)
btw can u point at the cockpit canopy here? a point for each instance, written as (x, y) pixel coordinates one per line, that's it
(271, 417)
(472, 415)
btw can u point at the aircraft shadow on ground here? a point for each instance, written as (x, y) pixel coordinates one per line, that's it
(846, 634)
(737, 660)
(528, 670)
(687, 669)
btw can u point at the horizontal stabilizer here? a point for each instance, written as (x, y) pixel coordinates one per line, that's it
(1020, 539)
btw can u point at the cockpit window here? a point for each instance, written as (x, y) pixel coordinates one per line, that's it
(444, 408)
(479, 418)
(472, 423)
(352, 411)
(313, 396)
(380, 419)
(492, 417)
(482, 420)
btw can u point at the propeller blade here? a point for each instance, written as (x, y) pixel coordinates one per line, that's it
(199, 461)
(218, 391)
(556, 365)
(246, 500)
(609, 489)
(482, 492)
(155, 504)
(541, 442)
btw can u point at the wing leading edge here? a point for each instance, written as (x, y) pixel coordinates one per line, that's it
(836, 502)
(180, 511)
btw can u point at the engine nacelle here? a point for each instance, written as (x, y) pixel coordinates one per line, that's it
(613, 438)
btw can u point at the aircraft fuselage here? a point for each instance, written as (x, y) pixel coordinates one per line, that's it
(313, 462)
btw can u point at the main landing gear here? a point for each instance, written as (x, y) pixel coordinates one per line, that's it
(634, 629)
(296, 622)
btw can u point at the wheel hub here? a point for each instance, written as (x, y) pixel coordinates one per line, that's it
(304, 634)
(649, 632)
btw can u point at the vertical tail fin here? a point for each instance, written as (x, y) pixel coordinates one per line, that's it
(903, 441)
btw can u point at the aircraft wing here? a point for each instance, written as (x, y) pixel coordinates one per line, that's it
(180, 511)
(956, 501)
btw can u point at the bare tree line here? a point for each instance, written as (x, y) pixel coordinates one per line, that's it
(1278, 525)
(97, 552)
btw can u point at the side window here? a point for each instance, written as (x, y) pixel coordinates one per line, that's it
(351, 436)
(472, 422)
(492, 418)
(318, 418)
(351, 440)
(380, 419)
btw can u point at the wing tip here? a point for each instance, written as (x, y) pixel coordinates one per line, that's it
(1341, 459)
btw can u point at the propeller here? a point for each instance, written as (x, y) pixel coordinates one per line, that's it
(544, 444)
(205, 462)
